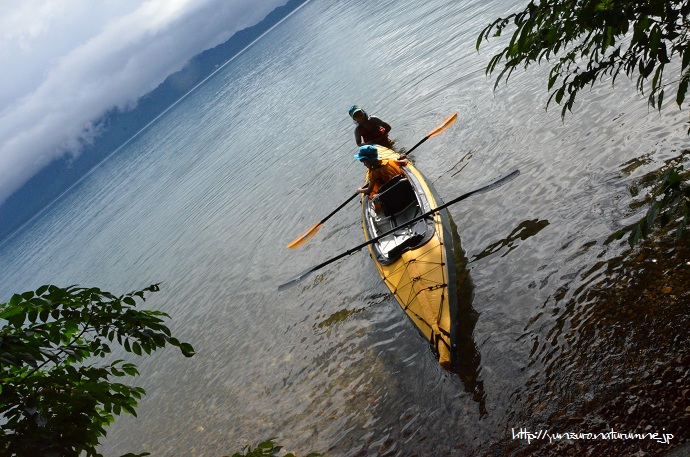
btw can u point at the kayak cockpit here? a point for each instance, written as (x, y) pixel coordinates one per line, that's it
(401, 200)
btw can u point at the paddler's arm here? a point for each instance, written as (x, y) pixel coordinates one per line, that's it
(358, 137)
(366, 189)
(386, 128)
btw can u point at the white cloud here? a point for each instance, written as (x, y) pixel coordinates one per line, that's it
(65, 63)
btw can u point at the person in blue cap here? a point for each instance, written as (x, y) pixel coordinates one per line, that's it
(370, 129)
(379, 171)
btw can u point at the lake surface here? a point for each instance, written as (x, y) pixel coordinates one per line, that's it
(205, 200)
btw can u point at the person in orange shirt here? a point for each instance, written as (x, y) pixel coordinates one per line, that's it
(380, 171)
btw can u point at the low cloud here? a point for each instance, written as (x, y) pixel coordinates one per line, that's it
(66, 63)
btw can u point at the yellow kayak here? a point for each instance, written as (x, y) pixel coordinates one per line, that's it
(416, 262)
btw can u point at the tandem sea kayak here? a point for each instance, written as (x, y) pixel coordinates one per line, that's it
(416, 261)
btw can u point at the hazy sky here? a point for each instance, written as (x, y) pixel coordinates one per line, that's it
(66, 62)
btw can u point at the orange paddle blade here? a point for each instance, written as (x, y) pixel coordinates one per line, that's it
(306, 236)
(447, 123)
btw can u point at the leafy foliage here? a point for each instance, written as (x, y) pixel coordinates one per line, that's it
(670, 203)
(266, 449)
(53, 400)
(669, 206)
(590, 40)
(597, 39)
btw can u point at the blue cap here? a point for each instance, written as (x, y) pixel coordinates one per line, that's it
(354, 109)
(367, 152)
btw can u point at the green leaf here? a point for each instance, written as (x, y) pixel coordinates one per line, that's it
(70, 329)
(32, 315)
(635, 236)
(187, 350)
(45, 314)
(130, 369)
(663, 54)
(129, 409)
(682, 89)
(17, 319)
(652, 213)
(654, 41)
(28, 295)
(680, 231)
(657, 77)
(12, 307)
(29, 359)
(673, 178)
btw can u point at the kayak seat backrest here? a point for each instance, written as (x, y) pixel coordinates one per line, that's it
(396, 195)
(409, 243)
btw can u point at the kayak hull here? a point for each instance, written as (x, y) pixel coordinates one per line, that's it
(417, 262)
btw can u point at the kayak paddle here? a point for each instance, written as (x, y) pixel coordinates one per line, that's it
(303, 238)
(444, 125)
(486, 188)
(306, 236)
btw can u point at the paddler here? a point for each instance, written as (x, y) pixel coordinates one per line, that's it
(370, 129)
(380, 171)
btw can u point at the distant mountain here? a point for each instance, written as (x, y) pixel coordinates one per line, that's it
(119, 127)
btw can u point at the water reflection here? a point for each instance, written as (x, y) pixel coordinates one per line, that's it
(459, 166)
(610, 348)
(468, 357)
(524, 230)
(616, 353)
(344, 314)
(645, 189)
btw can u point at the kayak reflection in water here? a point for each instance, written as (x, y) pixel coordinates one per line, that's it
(380, 171)
(369, 129)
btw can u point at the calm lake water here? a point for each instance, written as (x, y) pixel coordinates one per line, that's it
(205, 200)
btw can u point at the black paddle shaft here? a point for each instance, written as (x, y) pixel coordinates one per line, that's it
(417, 145)
(486, 188)
(339, 208)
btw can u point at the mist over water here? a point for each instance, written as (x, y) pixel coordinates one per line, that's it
(206, 199)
